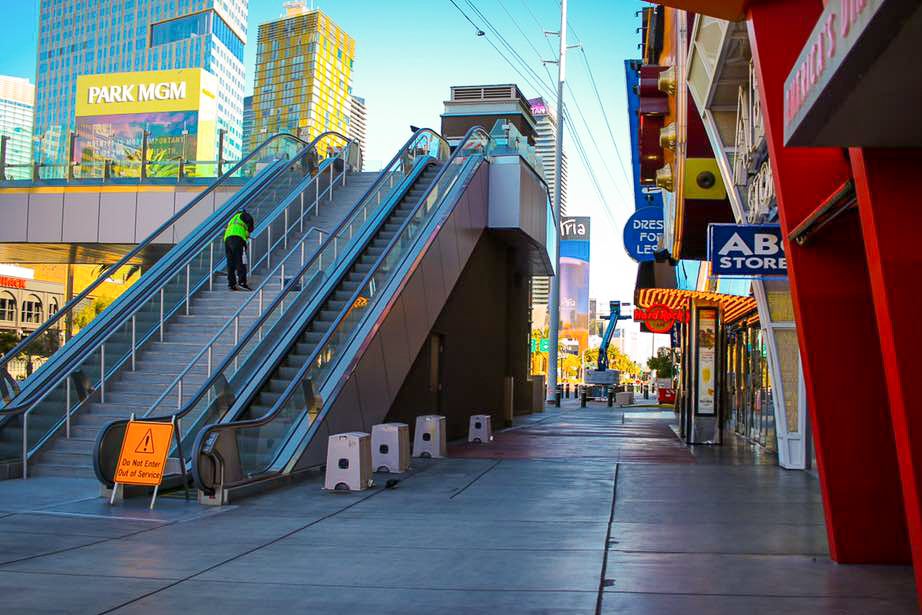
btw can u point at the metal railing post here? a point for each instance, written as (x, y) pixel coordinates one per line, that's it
(269, 246)
(67, 407)
(102, 373)
(25, 444)
(210, 358)
(331, 179)
(179, 395)
(161, 313)
(285, 236)
(301, 228)
(210, 264)
(134, 337)
(316, 194)
(302, 253)
(188, 279)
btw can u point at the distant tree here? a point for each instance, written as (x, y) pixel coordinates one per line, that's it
(8, 341)
(662, 363)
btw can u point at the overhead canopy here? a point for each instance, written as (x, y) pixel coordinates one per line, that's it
(733, 306)
(731, 10)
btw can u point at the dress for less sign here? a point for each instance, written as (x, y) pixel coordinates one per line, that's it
(755, 250)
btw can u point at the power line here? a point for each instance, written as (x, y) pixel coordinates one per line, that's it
(518, 71)
(508, 46)
(605, 116)
(479, 31)
(598, 97)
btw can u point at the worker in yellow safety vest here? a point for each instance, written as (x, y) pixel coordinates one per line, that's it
(235, 244)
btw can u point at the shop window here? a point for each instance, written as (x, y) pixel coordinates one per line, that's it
(31, 310)
(7, 307)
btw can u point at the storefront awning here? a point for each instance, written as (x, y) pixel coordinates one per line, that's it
(733, 306)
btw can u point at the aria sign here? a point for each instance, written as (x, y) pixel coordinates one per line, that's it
(746, 250)
(660, 318)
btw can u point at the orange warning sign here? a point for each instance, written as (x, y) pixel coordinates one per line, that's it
(143, 455)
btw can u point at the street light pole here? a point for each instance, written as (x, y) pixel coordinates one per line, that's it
(558, 158)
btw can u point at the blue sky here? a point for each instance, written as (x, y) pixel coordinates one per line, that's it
(409, 53)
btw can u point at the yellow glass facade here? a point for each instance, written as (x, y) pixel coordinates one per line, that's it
(303, 77)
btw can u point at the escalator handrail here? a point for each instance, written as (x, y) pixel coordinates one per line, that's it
(203, 389)
(100, 336)
(295, 382)
(136, 250)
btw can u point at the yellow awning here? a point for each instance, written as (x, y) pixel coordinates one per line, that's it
(733, 306)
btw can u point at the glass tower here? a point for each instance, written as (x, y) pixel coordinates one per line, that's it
(303, 78)
(16, 98)
(84, 37)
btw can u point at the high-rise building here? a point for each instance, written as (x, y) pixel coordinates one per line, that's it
(247, 126)
(546, 150)
(86, 37)
(357, 123)
(17, 96)
(303, 78)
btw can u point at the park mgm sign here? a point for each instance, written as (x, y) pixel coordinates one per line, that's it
(176, 109)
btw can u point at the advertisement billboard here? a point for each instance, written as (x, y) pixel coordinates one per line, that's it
(707, 342)
(574, 296)
(176, 108)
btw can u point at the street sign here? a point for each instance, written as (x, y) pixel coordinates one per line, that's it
(143, 456)
(643, 233)
(746, 250)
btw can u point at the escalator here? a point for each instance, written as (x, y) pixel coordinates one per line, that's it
(124, 360)
(210, 387)
(306, 385)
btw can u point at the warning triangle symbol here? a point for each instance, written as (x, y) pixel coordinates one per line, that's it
(146, 445)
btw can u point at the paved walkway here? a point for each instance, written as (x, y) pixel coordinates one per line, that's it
(517, 526)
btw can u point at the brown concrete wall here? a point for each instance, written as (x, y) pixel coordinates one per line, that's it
(484, 315)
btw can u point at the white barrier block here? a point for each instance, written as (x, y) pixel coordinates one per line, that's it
(481, 428)
(390, 447)
(625, 398)
(429, 439)
(348, 462)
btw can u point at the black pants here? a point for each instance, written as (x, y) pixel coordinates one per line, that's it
(236, 270)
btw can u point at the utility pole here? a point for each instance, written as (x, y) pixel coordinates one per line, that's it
(558, 158)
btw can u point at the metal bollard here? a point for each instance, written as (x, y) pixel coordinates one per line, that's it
(611, 397)
(557, 399)
(582, 398)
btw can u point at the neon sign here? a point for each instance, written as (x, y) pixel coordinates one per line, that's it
(660, 318)
(9, 282)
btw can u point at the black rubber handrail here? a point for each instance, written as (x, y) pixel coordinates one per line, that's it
(295, 382)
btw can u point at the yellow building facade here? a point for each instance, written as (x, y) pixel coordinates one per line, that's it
(303, 77)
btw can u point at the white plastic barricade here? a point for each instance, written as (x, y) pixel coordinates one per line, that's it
(429, 439)
(348, 462)
(390, 447)
(481, 428)
(625, 398)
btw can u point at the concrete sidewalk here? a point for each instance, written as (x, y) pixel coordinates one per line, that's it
(573, 511)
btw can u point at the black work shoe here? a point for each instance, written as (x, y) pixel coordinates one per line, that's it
(245, 286)
(234, 287)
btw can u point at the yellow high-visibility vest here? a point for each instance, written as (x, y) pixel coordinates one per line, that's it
(237, 228)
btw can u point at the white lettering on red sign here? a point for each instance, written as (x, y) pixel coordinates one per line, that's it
(820, 53)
